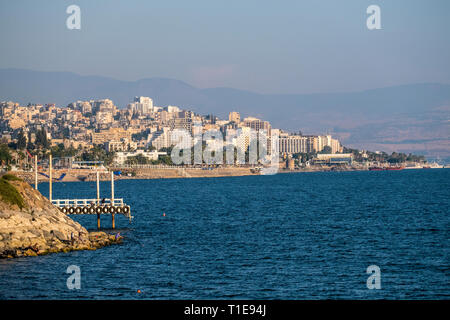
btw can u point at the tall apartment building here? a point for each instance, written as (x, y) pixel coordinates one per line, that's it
(240, 138)
(82, 106)
(293, 144)
(166, 138)
(257, 124)
(172, 109)
(185, 114)
(112, 134)
(103, 105)
(334, 144)
(234, 117)
(159, 139)
(312, 143)
(307, 144)
(181, 123)
(104, 117)
(141, 105)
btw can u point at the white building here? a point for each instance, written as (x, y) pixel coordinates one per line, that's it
(240, 138)
(123, 144)
(122, 157)
(172, 109)
(328, 141)
(160, 139)
(330, 159)
(103, 117)
(141, 105)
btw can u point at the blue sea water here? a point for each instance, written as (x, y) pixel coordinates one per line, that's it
(287, 236)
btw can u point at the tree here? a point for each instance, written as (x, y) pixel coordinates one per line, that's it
(167, 150)
(21, 140)
(167, 160)
(137, 159)
(66, 132)
(304, 157)
(326, 150)
(59, 151)
(5, 155)
(41, 139)
(97, 153)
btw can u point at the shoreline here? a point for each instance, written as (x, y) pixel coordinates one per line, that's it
(95, 240)
(73, 175)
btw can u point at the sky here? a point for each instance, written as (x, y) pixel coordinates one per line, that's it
(312, 46)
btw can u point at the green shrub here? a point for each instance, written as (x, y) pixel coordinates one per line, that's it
(8, 192)
(11, 177)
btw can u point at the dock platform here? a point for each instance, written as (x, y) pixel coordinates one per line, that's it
(93, 206)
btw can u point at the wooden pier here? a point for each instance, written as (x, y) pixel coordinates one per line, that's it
(96, 206)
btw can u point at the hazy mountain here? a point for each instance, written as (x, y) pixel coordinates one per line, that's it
(402, 118)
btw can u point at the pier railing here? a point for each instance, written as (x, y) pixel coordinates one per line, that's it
(87, 202)
(93, 206)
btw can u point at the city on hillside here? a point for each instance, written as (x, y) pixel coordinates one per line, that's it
(98, 132)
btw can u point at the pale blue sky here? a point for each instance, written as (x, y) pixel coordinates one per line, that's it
(263, 46)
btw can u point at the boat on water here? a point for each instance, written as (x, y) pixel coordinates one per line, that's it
(376, 169)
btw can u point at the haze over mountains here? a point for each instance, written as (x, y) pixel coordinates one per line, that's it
(409, 118)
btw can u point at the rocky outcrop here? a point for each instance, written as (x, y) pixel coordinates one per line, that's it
(40, 228)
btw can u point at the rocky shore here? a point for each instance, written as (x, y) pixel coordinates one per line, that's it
(136, 173)
(30, 225)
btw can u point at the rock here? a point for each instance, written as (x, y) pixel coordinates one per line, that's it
(30, 253)
(47, 234)
(40, 228)
(58, 234)
(5, 215)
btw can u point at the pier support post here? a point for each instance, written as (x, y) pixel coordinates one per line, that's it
(35, 173)
(98, 199)
(112, 199)
(50, 178)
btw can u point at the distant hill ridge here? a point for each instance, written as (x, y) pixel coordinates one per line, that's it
(384, 116)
